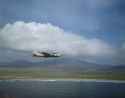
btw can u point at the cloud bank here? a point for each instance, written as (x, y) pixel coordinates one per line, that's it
(37, 36)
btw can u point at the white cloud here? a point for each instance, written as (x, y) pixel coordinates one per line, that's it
(37, 36)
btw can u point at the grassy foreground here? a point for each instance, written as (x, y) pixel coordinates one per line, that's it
(32, 73)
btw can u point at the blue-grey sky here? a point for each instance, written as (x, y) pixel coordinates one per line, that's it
(101, 19)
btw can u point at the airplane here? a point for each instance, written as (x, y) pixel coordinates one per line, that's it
(45, 54)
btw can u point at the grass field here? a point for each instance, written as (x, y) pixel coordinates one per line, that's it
(36, 73)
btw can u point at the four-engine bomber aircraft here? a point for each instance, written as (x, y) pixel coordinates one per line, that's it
(45, 54)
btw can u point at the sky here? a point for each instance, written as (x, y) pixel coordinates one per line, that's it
(90, 29)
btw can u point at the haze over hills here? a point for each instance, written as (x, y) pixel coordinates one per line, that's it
(69, 64)
(24, 59)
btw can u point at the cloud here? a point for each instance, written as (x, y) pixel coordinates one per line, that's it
(123, 46)
(119, 58)
(37, 36)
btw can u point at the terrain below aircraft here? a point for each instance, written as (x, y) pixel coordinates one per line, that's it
(45, 54)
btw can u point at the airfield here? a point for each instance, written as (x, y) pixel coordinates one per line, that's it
(38, 73)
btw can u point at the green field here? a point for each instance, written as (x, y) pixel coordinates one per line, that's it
(37, 73)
